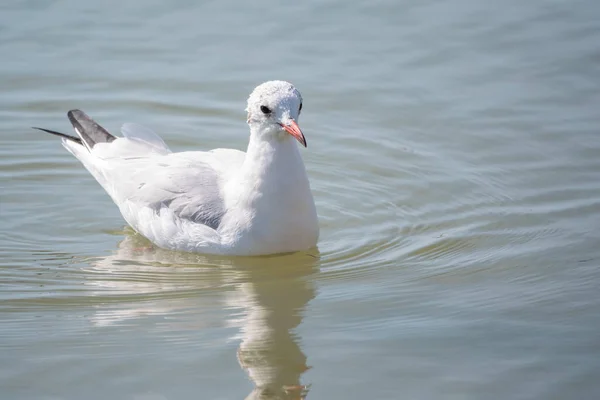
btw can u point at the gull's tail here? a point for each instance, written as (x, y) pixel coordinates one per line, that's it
(89, 131)
(90, 134)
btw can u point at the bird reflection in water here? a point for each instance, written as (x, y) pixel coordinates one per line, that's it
(272, 293)
(275, 295)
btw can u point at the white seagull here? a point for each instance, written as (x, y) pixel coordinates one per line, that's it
(222, 201)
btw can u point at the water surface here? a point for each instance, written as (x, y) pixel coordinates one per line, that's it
(453, 154)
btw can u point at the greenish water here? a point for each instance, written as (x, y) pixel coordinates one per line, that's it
(454, 154)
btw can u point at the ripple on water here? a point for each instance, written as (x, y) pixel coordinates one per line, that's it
(473, 218)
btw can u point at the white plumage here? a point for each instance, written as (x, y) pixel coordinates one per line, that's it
(221, 201)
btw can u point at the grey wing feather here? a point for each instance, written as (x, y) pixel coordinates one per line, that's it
(88, 129)
(191, 192)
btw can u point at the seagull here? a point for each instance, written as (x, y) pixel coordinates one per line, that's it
(222, 201)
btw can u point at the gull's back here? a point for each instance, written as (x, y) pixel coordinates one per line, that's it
(155, 189)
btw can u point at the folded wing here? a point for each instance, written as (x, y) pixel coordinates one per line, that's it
(146, 180)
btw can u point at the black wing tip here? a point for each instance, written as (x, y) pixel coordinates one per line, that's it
(62, 135)
(76, 111)
(89, 130)
(74, 116)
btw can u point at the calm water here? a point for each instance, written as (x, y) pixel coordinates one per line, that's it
(454, 154)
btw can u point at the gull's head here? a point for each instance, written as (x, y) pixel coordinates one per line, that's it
(273, 111)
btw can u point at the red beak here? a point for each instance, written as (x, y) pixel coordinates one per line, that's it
(293, 129)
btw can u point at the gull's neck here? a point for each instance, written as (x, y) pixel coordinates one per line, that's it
(273, 159)
(270, 194)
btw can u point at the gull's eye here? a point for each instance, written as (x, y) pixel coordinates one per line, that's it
(265, 109)
(300, 109)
